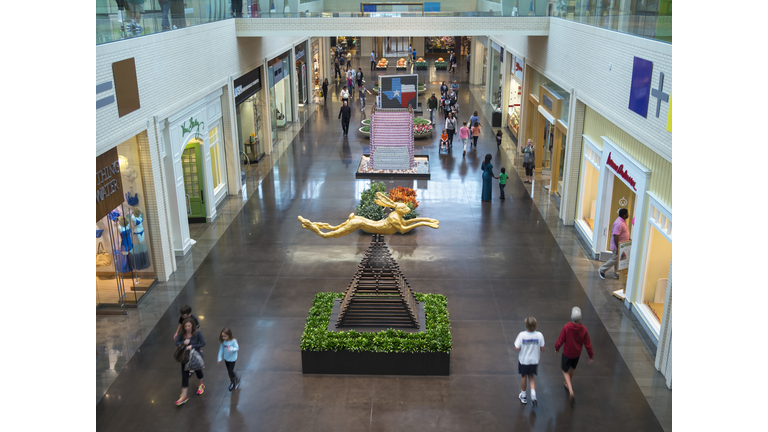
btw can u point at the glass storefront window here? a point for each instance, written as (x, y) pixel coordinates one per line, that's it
(124, 269)
(515, 98)
(496, 80)
(588, 180)
(658, 258)
(218, 168)
(249, 127)
(301, 72)
(440, 44)
(485, 63)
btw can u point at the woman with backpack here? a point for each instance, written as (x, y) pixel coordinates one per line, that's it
(189, 338)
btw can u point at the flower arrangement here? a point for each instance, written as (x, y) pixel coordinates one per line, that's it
(406, 196)
(421, 126)
(440, 64)
(420, 65)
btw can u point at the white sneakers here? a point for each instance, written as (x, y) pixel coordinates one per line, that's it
(522, 398)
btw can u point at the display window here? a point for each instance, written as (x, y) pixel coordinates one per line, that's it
(218, 166)
(656, 262)
(316, 84)
(301, 72)
(124, 267)
(515, 97)
(440, 44)
(249, 110)
(496, 80)
(281, 108)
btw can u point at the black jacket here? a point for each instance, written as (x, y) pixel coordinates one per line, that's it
(325, 89)
(345, 113)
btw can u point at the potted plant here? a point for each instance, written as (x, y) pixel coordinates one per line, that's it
(441, 64)
(422, 128)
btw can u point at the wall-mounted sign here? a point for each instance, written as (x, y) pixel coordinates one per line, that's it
(619, 169)
(659, 94)
(299, 53)
(109, 183)
(193, 125)
(247, 85)
(546, 101)
(517, 67)
(640, 88)
(624, 253)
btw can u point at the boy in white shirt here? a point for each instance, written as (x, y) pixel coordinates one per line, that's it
(530, 343)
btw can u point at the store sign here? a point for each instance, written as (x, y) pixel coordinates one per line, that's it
(247, 85)
(517, 67)
(621, 171)
(109, 183)
(299, 54)
(546, 101)
(624, 254)
(193, 125)
(640, 87)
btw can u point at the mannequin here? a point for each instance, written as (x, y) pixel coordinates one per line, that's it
(140, 255)
(126, 245)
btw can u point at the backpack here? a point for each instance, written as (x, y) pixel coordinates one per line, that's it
(359, 76)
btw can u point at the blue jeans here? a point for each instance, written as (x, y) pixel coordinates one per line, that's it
(166, 6)
(501, 189)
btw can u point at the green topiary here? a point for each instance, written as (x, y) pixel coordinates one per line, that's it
(368, 207)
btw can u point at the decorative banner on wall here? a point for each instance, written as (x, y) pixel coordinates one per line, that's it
(398, 91)
(109, 183)
(640, 89)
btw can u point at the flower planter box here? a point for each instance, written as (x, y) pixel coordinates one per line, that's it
(373, 363)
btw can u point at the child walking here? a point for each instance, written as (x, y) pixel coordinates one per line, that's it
(464, 137)
(499, 135)
(502, 182)
(530, 344)
(186, 312)
(228, 349)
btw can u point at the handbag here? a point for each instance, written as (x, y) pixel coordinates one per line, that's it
(102, 257)
(196, 361)
(181, 355)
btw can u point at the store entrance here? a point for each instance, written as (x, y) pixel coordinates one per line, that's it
(194, 184)
(619, 196)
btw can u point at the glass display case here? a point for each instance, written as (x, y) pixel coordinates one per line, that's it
(513, 118)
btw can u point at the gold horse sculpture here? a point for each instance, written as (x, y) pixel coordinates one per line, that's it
(392, 224)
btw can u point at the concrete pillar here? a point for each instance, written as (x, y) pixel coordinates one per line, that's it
(418, 45)
(572, 166)
(476, 62)
(366, 46)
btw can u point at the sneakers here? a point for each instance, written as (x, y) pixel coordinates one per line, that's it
(615, 276)
(534, 401)
(522, 398)
(602, 276)
(201, 389)
(182, 401)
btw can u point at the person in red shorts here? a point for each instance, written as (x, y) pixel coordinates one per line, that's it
(572, 337)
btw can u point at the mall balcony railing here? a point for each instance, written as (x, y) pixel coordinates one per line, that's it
(122, 20)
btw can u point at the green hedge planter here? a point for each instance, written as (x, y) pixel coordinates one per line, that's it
(441, 65)
(388, 352)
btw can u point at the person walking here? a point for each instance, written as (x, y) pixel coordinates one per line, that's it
(189, 338)
(499, 136)
(572, 338)
(474, 118)
(619, 234)
(475, 134)
(237, 8)
(443, 89)
(487, 169)
(228, 349)
(344, 95)
(414, 55)
(359, 77)
(337, 70)
(502, 182)
(325, 91)
(351, 79)
(529, 159)
(373, 60)
(361, 88)
(345, 113)
(464, 137)
(450, 126)
(349, 60)
(467, 61)
(165, 6)
(530, 345)
(432, 106)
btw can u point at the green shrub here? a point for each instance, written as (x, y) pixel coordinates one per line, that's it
(366, 128)
(437, 337)
(368, 207)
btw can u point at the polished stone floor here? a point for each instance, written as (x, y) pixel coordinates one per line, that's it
(495, 262)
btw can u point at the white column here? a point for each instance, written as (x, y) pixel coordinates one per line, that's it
(570, 178)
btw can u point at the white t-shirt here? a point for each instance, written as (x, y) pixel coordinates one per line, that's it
(530, 344)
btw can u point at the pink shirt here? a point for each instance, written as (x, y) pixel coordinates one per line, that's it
(463, 132)
(621, 229)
